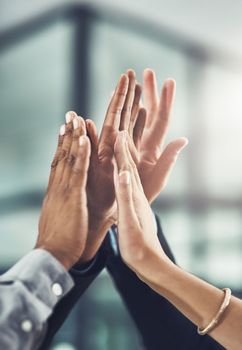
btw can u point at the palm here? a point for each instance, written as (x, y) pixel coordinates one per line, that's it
(155, 161)
(100, 188)
(148, 159)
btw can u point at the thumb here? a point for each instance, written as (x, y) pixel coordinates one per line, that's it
(164, 166)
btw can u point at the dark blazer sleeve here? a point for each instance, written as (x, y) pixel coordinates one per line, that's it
(83, 277)
(159, 323)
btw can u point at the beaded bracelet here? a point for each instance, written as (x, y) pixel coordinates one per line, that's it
(217, 318)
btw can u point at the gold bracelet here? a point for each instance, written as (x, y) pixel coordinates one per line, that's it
(217, 318)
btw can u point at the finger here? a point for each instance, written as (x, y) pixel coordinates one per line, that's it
(124, 197)
(150, 94)
(124, 159)
(57, 153)
(78, 177)
(66, 145)
(92, 134)
(162, 119)
(119, 152)
(132, 149)
(165, 165)
(93, 137)
(123, 184)
(78, 130)
(112, 118)
(82, 125)
(139, 128)
(126, 110)
(135, 108)
(131, 156)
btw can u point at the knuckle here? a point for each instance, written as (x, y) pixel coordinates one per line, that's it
(54, 163)
(121, 93)
(62, 155)
(60, 140)
(116, 111)
(71, 160)
(77, 170)
(126, 109)
(66, 191)
(76, 135)
(69, 130)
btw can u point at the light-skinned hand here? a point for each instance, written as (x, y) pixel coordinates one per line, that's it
(137, 232)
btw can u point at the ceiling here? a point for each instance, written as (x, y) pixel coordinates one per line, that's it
(216, 22)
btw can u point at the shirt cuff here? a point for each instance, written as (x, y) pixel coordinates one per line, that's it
(95, 266)
(91, 268)
(43, 275)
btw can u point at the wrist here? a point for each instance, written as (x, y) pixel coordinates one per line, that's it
(96, 234)
(156, 269)
(62, 257)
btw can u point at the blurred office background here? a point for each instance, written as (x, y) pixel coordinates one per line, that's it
(60, 55)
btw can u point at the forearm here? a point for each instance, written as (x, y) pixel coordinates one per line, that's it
(29, 292)
(159, 322)
(198, 301)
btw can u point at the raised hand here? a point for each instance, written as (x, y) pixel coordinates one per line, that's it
(137, 233)
(147, 132)
(214, 311)
(154, 161)
(101, 196)
(63, 224)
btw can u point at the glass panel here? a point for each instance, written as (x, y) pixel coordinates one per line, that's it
(18, 233)
(34, 90)
(223, 109)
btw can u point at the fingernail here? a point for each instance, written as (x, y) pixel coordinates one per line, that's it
(62, 130)
(124, 177)
(183, 146)
(88, 121)
(81, 140)
(122, 77)
(130, 72)
(82, 121)
(169, 82)
(69, 116)
(75, 123)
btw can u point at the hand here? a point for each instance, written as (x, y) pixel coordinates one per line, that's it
(63, 222)
(146, 144)
(154, 161)
(100, 188)
(137, 233)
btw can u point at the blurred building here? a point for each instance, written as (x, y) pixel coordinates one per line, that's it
(57, 56)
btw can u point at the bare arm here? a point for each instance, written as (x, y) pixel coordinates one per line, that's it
(141, 251)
